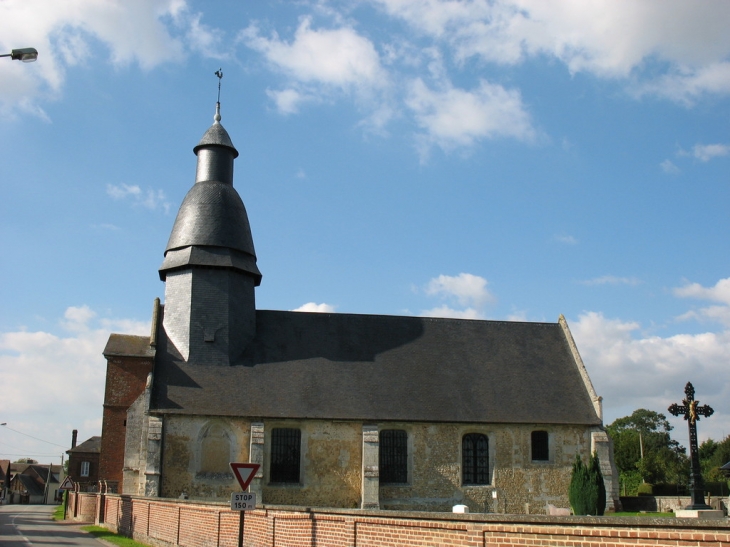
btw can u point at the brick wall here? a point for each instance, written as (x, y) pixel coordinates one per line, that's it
(82, 507)
(165, 522)
(125, 381)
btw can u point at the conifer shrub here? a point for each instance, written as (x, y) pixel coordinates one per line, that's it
(646, 489)
(587, 492)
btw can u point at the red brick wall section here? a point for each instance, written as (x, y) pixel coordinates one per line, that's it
(163, 523)
(82, 507)
(125, 381)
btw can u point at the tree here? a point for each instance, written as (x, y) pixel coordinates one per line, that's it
(647, 432)
(587, 493)
(714, 455)
(26, 460)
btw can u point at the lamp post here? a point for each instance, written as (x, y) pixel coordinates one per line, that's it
(26, 54)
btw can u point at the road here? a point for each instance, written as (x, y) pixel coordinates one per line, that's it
(28, 525)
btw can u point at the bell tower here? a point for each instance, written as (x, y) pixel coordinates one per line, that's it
(210, 268)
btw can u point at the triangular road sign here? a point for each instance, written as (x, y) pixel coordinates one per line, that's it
(244, 473)
(67, 484)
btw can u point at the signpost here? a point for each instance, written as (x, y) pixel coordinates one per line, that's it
(243, 501)
(67, 484)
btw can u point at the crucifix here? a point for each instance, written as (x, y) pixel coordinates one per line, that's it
(691, 411)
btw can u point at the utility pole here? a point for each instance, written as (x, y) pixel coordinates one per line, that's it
(48, 482)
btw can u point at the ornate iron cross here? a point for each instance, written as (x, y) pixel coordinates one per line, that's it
(691, 411)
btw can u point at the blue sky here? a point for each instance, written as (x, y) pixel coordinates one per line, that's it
(506, 160)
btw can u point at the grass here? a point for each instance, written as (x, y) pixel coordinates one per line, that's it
(642, 514)
(57, 513)
(111, 537)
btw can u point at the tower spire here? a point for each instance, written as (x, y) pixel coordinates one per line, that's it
(209, 269)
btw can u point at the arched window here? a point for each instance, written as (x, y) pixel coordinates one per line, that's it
(215, 450)
(474, 459)
(540, 447)
(286, 449)
(393, 457)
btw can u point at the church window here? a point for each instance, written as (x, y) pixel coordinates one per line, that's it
(540, 448)
(393, 464)
(85, 467)
(475, 459)
(285, 454)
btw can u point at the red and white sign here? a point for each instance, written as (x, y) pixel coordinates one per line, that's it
(67, 484)
(244, 473)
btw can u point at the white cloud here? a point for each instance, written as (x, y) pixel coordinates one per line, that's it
(633, 371)
(44, 373)
(150, 199)
(287, 101)
(455, 117)
(446, 311)
(467, 290)
(202, 38)
(319, 61)
(720, 292)
(687, 42)
(567, 239)
(705, 152)
(317, 308)
(76, 319)
(66, 32)
(669, 168)
(611, 280)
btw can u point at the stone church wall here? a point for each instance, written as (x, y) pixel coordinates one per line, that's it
(197, 451)
(517, 484)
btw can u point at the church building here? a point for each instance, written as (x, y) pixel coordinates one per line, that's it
(340, 410)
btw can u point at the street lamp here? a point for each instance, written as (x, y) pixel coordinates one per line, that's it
(26, 54)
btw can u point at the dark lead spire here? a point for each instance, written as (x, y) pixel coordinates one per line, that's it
(212, 215)
(210, 263)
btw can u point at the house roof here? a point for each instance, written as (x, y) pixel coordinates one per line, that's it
(90, 445)
(4, 470)
(381, 368)
(29, 484)
(128, 345)
(41, 471)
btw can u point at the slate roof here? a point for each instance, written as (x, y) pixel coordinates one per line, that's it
(128, 345)
(29, 484)
(91, 445)
(381, 368)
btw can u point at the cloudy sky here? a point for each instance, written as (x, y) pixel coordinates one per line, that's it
(503, 160)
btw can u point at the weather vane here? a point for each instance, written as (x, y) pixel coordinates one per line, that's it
(219, 73)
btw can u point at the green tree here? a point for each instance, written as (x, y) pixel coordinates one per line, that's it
(714, 455)
(587, 491)
(664, 459)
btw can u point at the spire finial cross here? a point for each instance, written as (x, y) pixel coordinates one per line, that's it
(691, 411)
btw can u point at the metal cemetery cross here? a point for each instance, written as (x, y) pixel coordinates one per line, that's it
(692, 412)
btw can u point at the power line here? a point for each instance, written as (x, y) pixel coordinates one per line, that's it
(30, 455)
(32, 437)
